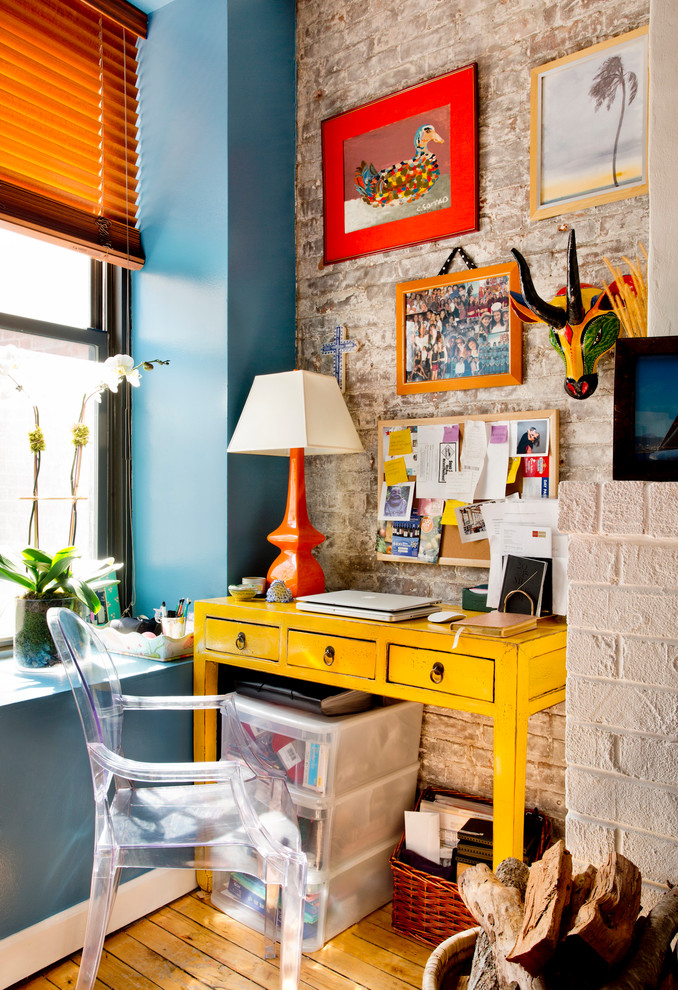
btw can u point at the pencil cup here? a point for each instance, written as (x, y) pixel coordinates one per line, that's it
(173, 626)
(256, 582)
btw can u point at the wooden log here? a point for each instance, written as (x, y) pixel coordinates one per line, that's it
(582, 885)
(643, 968)
(606, 920)
(547, 895)
(499, 911)
(512, 873)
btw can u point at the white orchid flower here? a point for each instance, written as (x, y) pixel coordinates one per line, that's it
(10, 359)
(117, 368)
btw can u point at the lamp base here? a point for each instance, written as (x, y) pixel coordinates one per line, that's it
(296, 537)
(302, 573)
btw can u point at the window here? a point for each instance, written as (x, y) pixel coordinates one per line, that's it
(68, 174)
(63, 311)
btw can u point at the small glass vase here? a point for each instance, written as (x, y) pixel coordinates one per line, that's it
(33, 643)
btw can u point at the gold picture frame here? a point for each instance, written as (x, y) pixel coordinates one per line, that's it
(589, 126)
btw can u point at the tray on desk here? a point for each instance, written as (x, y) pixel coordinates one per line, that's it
(135, 645)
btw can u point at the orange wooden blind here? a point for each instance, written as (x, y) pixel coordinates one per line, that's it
(68, 123)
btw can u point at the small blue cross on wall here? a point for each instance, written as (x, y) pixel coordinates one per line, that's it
(338, 347)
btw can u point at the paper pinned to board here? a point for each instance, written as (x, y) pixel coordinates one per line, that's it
(395, 471)
(513, 470)
(462, 485)
(492, 480)
(437, 459)
(449, 513)
(399, 443)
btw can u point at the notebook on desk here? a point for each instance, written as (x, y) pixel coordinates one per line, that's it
(368, 605)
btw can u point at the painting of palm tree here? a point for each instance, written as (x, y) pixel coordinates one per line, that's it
(609, 80)
(589, 133)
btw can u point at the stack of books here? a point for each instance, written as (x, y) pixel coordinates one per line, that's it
(466, 831)
(475, 844)
(454, 815)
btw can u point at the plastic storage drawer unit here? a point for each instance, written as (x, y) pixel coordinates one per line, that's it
(335, 830)
(335, 899)
(322, 754)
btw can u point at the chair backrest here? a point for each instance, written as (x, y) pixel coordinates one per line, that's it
(92, 675)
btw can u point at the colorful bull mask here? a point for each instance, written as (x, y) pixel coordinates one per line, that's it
(582, 326)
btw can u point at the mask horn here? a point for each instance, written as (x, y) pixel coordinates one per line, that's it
(554, 316)
(575, 306)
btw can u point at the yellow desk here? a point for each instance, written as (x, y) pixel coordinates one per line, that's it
(505, 679)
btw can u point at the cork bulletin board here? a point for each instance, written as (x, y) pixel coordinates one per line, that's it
(453, 550)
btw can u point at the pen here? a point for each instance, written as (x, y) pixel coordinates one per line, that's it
(180, 606)
(164, 609)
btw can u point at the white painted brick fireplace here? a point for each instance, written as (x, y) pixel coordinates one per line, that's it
(621, 735)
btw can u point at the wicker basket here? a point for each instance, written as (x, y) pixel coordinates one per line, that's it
(426, 907)
(446, 963)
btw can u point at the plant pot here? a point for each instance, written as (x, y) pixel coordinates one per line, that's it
(451, 958)
(33, 643)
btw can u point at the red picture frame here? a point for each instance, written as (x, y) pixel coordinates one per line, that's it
(376, 198)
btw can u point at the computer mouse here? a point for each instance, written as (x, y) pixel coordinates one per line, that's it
(445, 616)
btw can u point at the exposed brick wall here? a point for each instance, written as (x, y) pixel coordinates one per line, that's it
(622, 689)
(350, 52)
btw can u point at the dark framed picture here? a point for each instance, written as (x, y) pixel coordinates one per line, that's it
(589, 127)
(458, 331)
(402, 169)
(645, 440)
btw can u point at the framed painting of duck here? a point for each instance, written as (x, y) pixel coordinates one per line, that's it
(402, 169)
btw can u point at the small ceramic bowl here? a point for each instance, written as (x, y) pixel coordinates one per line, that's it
(242, 592)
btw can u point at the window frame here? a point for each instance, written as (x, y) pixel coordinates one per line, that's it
(110, 333)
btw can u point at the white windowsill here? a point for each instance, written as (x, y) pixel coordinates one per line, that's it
(18, 684)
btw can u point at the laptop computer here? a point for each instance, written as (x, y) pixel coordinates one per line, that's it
(368, 605)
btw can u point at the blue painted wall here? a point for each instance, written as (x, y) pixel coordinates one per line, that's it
(217, 293)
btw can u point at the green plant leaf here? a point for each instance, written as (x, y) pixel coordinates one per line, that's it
(17, 578)
(31, 555)
(59, 566)
(104, 567)
(96, 585)
(83, 592)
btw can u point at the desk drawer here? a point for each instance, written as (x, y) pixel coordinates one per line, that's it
(245, 639)
(453, 673)
(337, 654)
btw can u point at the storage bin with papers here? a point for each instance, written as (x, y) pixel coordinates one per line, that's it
(322, 754)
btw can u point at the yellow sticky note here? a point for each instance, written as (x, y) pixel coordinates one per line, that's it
(449, 516)
(399, 442)
(395, 471)
(513, 470)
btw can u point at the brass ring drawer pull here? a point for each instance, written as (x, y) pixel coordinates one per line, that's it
(328, 655)
(437, 673)
(240, 641)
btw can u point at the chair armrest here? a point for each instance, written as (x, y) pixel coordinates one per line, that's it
(180, 773)
(176, 702)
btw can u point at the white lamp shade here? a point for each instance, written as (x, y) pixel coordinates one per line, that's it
(295, 409)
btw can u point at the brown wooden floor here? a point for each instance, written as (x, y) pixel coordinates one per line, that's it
(189, 945)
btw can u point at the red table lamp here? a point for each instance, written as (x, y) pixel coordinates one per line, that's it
(292, 414)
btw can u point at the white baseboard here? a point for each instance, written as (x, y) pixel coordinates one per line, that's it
(29, 951)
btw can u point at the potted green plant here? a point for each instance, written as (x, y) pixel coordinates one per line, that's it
(49, 581)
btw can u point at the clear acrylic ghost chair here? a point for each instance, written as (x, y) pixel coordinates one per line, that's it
(239, 818)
